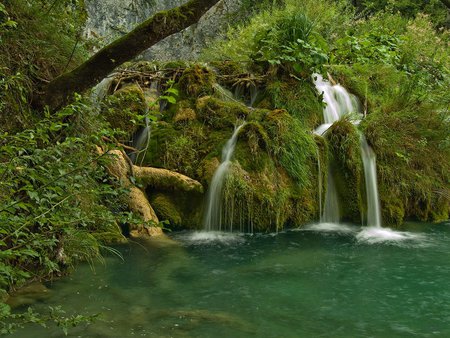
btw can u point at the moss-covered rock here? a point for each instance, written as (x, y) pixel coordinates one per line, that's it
(298, 97)
(166, 210)
(220, 114)
(181, 209)
(123, 108)
(346, 168)
(275, 179)
(197, 81)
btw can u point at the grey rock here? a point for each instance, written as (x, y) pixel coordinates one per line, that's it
(109, 19)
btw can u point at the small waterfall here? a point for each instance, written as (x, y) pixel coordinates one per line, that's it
(370, 175)
(338, 101)
(248, 94)
(338, 104)
(331, 212)
(100, 91)
(319, 176)
(214, 215)
(141, 139)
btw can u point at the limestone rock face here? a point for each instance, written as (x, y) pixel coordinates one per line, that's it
(109, 19)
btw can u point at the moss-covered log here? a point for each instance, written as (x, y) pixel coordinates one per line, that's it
(165, 179)
(60, 91)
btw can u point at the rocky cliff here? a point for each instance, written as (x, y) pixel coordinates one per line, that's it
(109, 19)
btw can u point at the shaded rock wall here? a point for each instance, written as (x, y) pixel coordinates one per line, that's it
(109, 19)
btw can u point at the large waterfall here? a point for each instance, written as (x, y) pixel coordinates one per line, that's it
(340, 103)
(213, 220)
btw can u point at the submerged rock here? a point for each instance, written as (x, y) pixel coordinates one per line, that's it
(28, 295)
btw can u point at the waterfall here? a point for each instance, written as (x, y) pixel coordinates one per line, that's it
(100, 91)
(213, 216)
(340, 103)
(319, 178)
(141, 139)
(331, 212)
(370, 175)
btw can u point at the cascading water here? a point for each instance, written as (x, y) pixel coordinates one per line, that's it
(140, 142)
(213, 220)
(370, 175)
(319, 177)
(338, 104)
(331, 212)
(142, 138)
(101, 89)
(338, 101)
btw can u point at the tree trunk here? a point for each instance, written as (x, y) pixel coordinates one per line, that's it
(166, 179)
(60, 91)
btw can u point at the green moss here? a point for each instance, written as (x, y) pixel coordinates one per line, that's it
(122, 109)
(166, 210)
(181, 209)
(403, 160)
(220, 114)
(392, 208)
(292, 144)
(197, 81)
(184, 113)
(346, 168)
(299, 98)
(257, 138)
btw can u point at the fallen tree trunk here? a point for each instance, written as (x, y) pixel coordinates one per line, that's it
(60, 91)
(166, 179)
(137, 200)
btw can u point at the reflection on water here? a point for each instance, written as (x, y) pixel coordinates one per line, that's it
(311, 283)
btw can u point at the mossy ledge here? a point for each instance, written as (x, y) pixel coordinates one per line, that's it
(274, 179)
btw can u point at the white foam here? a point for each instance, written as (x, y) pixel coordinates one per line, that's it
(212, 237)
(330, 227)
(376, 235)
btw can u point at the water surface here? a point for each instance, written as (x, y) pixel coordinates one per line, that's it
(324, 281)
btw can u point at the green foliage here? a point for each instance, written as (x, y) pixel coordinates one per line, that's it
(407, 8)
(39, 40)
(293, 41)
(5, 21)
(344, 149)
(56, 316)
(296, 33)
(57, 204)
(370, 47)
(292, 145)
(170, 94)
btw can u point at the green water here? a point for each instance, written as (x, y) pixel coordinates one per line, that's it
(292, 284)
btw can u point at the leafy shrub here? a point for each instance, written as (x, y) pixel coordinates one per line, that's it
(39, 40)
(57, 204)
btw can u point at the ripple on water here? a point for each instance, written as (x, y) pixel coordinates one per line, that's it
(376, 235)
(211, 237)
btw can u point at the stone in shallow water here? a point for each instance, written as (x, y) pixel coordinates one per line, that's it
(28, 295)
